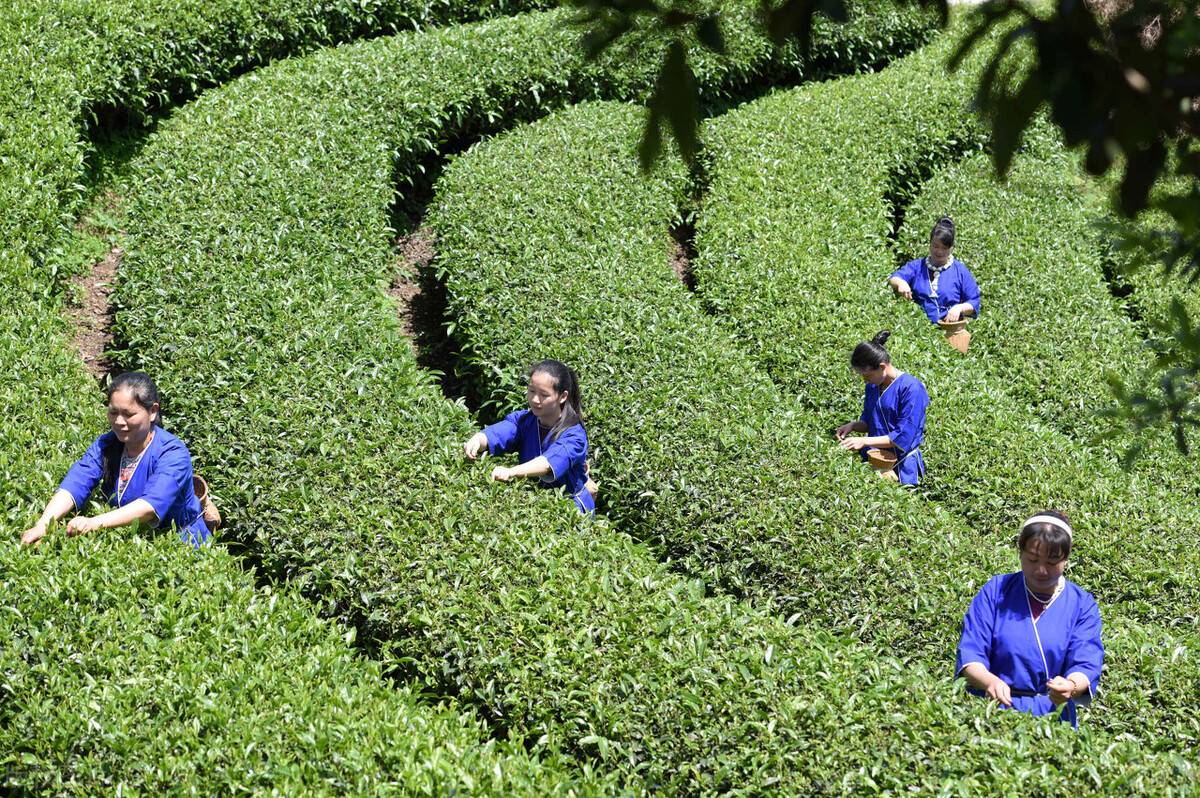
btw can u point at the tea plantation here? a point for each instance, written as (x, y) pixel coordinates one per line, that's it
(751, 611)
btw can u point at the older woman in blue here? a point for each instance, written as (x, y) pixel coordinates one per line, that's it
(1031, 639)
(145, 472)
(940, 283)
(894, 406)
(548, 437)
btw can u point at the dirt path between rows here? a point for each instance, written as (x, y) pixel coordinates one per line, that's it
(92, 318)
(414, 253)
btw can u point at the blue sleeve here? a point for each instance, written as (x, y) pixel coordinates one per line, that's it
(502, 436)
(975, 643)
(970, 289)
(569, 447)
(864, 417)
(85, 474)
(1085, 652)
(907, 272)
(911, 405)
(171, 476)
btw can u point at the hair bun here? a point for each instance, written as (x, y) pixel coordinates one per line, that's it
(881, 337)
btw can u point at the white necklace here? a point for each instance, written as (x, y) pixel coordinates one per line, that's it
(1058, 588)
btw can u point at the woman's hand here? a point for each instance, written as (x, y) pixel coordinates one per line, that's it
(1061, 690)
(81, 524)
(901, 288)
(844, 430)
(33, 536)
(1000, 692)
(853, 444)
(501, 474)
(475, 445)
(954, 313)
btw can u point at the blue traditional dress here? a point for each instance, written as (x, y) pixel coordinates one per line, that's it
(1000, 633)
(162, 476)
(567, 454)
(954, 285)
(899, 413)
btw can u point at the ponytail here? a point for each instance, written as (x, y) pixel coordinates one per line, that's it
(871, 354)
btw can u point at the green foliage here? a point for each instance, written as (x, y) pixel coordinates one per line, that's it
(587, 283)
(794, 254)
(583, 275)
(675, 103)
(341, 462)
(64, 63)
(1056, 335)
(136, 666)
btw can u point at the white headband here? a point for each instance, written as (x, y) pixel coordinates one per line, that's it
(1052, 521)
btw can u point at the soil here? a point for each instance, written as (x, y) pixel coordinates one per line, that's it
(414, 253)
(681, 261)
(92, 318)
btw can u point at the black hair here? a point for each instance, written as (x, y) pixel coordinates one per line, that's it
(139, 385)
(1056, 541)
(943, 231)
(871, 354)
(564, 380)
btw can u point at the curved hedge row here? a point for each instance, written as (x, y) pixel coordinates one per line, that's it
(1054, 329)
(553, 243)
(794, 251)
(698, 451)
(63, 62)
(251, 288)
(557, 626)
(127, 667)
(815, 217)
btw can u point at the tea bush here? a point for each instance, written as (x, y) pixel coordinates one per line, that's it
(130, 665)
(572, 261)
(66, 62)
(341, 462)
(552, 243)
(1055, 329)
(793, 253)
(131, 59)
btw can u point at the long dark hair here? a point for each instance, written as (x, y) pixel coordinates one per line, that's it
(564, 380)
(139, 385)
(943, 231)
(871, 354)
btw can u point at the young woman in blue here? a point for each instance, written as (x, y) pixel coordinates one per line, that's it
(1031, 639)
(144, 471)
(894, 406)
(548, 437)
(940, 283)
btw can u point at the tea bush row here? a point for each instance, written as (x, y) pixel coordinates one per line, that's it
(129, 665)
(554, 625)
(64, 63)
(806, 208)
(698, 452)
(551, 241)
(343, 462)
(1054, 329)
(793, 254)
(340, 461)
